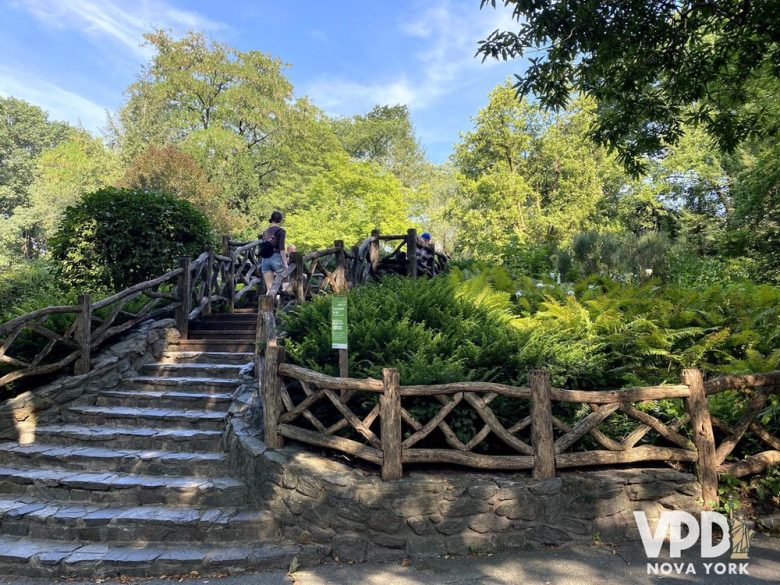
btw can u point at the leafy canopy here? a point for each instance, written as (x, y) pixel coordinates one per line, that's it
(652, 66)
(114, 238)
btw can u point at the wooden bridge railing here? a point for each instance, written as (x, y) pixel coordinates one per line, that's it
(50, 340)
(322, 410)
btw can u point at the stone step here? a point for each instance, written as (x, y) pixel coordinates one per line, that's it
(131, 437)
(241, 326)
(223, 334)
(150, 417)
(220, 371)
(217, 345)
(241, 311)
(214, 401)
(21, 556)
(122, 488)
(209, 357)
(143, 461)
(198, 383)
(106, 523)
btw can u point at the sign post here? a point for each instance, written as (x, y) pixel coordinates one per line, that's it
(339, 331)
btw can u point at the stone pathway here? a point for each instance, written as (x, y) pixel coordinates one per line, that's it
(134, 480)
(579, 565)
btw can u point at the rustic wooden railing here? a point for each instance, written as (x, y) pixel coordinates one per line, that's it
(56, 337)
(49, 340)
(321, 410)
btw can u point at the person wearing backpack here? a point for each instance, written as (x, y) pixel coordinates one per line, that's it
(272, 250)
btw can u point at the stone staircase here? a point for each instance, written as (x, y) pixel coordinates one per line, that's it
(135, 481)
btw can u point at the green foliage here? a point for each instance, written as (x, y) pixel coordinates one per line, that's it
(651, 66)
(28, 286)
(25, 132)
(114, 238)
(413, 325)
(527, 178)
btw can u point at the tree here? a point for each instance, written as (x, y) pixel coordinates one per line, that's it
(62, 174)
(384, 135)
(652, 67)
(25, 132)
(527, 178)
(114, 238)
(171, 170)
(344, 201)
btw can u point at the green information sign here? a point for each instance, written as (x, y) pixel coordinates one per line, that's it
(338, 322)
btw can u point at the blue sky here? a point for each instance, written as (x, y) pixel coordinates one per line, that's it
(76, 57)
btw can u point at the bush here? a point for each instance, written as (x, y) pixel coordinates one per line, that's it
(115, 238)
(28, 286)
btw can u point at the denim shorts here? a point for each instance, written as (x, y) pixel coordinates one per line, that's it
(272, 264)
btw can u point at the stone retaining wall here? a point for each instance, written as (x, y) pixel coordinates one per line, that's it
(355, 516)
(144, 344)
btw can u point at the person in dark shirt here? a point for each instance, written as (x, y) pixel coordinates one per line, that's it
(277, 262)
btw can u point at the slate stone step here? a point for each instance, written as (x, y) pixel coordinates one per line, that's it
(151, 417)
(243, 326)
(40, 557)
(121, 488)
(108, 523)
(237, 315)
(222, 334)
(216, 401)
(143, 461)
(220, 371)
(130, 437)
(217, 345)
(198, 383)
(209, 357)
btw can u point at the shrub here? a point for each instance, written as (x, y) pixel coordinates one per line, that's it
(114, 238)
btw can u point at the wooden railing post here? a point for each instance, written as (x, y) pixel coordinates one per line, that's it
(230, 280)
(209, 277)
(297, 277)
(703, 437)
(83, 335)
(339, 273)
(542, 425)
(185, 298)
(390, 419)
(373, 251)
(272, 399)
(411, 253)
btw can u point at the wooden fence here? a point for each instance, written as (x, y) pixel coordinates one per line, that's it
(48, 341)
(389, 435)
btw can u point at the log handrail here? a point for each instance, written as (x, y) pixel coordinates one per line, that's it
(541, 453)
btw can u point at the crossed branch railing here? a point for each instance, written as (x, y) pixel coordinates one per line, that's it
(51, 340)
(322, 410)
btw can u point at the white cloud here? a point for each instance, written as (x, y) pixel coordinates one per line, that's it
(448, 33)
(123, 22)
(60, 103)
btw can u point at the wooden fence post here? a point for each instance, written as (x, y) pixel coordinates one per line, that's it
(185, 298)
(373, 251)
(411, 253)
(230, 281)
(703, 437)
(390, 420)
(354, 271)
(541, 425)
(297, 277)
(272, 400)
(83, 335)
(339, 273)
(209, 278)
